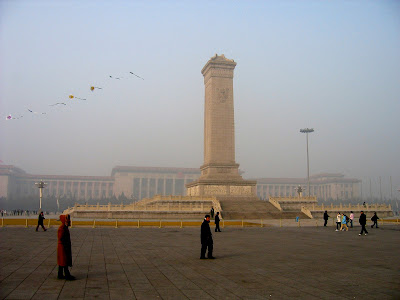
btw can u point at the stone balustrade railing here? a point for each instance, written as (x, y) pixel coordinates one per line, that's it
(306, 211)
(275, 203)
(157, 203)
(350, 207)
(294, 199)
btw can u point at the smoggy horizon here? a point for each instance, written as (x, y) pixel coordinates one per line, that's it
(333, 67)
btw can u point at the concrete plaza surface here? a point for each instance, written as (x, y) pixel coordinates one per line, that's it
(163, 263)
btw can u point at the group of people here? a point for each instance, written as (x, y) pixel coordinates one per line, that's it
(64, 253)
(342, 221)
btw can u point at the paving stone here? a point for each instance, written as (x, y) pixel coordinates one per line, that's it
(122, 293)
(147, 295)
(196, 294)
(252, 263)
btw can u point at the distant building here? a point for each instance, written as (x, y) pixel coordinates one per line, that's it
(325, 186)
(136, 183)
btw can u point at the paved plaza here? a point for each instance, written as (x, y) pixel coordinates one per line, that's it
(163, 263)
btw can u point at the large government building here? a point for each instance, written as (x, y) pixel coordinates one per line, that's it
(136, 183)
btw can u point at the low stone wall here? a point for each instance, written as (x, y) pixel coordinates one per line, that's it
(125, 214)
(158, 207)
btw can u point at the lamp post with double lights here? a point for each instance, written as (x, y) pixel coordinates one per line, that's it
(41, 185)
(307, 131)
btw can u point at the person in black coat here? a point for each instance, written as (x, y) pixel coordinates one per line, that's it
(363, 221)
(40, 221)
(326, 218)
(375, 220)
(217, 229)
(206, 239)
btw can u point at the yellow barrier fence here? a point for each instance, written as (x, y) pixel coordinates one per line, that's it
(174, 223)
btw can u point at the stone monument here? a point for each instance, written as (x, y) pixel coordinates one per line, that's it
(220, 184)
(220, 172)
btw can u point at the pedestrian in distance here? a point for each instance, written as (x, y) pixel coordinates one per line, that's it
(338, 221)
(206, 239)
(64, 253)
(326, 217)
(217, 229)
(351, 219)
(212, 212)
(363, 221)
(375, 220)
(40, 221)
(344, 223)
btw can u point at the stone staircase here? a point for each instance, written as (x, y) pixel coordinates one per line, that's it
(253, 208)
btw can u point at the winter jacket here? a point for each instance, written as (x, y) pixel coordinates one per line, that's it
(363, 219)
(206, 236)
(64, 254)
(344, 221)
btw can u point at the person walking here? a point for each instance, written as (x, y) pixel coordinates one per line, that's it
(206, 239)
(326, 217)
(351, 219)
(40, 221)
(64, 253)
(375, 220)
(338, 221)
(212, 212)
(217, 229)
(344, 223)
(363, 221)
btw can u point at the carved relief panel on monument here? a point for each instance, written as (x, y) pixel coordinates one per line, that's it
(222, 95)
(240, 190)
(215, 190)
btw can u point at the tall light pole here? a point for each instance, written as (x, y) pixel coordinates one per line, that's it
(307, 131)
(41, 185)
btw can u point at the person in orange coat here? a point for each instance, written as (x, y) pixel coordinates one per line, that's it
(64, 254)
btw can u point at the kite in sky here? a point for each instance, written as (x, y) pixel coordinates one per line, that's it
(136, 75)
(73, 97)
(92, 88)
(58, 103)
(10, 117)
(35, 112)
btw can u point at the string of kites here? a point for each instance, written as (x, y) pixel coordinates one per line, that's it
(92, 88)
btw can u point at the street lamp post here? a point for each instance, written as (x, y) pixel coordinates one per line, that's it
(41, 185)
(307, 131)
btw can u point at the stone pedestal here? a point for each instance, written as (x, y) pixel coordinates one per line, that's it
(220, 172)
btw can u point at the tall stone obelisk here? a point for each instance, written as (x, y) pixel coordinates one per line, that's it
(220, 172)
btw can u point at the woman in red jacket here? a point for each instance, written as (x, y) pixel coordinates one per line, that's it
(64, 254)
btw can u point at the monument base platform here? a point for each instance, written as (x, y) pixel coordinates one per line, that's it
(217, 187)
(255, 208)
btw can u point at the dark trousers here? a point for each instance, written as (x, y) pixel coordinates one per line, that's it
(375, 223)
(62, 271)
(217, 227)
(204, 249)
(326, 221)
(351, 223)
(363, 229)
(338, 224)
(37, 227)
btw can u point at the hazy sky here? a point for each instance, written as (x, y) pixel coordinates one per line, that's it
(329, 65)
